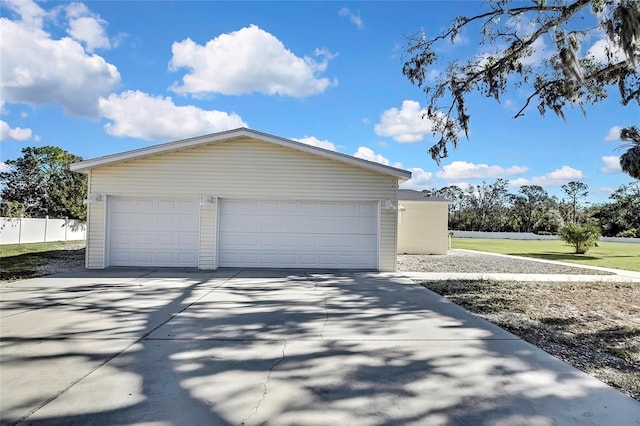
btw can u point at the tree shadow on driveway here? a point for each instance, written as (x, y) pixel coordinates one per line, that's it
(274, 347)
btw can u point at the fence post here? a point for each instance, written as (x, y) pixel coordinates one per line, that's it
(19, 231)
(46, 225)
(66, 226)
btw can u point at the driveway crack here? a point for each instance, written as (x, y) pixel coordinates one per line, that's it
(265, 386)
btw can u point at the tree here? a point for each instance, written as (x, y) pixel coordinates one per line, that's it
(630, 160)
(486, 203)
(528, 205)
(550, 221)
(581, 237)
(40, 184)
(513, 31)
(575, 191)
(621, 215)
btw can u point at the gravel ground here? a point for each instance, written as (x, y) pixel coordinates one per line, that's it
(463, 261)
(70, 259)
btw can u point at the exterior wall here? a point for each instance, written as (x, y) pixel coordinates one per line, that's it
(242, 169)
(388, 238)
(208, 222)
(422, 227)
(96, 215)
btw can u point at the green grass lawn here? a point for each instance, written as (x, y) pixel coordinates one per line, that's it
(609, 255)
(7, 250)
(18, 261)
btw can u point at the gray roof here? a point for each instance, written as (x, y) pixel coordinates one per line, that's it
(413, 195)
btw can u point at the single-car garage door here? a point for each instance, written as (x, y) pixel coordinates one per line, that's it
(144, 232)
(298, 234)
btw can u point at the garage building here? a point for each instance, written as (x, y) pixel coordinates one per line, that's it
(240, 198)
(422, 223)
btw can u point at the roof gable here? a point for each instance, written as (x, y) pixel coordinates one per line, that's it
(86, 165)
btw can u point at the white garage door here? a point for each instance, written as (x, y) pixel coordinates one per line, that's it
(153, 232)
(298, 234)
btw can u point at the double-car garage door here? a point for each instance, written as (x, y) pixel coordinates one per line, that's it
(271, 234)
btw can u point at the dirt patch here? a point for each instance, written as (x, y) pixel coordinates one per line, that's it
(593, 326)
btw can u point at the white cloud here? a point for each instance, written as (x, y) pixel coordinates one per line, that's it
(37, 69)
(555, 178)
(602, 48)
(138, 115)
(87, 27)
(4, 167)
(539, 54)
(604, 190)
(404, 125)
(611, 164)
(355, 19)
(313, 141)
(613, 134)
(15, 134)
(245, 61)
(31, 15)
(370, 155)
(420, 179)
(465, 170)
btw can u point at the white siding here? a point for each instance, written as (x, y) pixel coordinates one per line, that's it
(422, 227)
(388, 228)
(208, 218)
(247, 169)
(95, 257)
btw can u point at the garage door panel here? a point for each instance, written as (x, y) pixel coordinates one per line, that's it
(369, 210)
(300, 234)
(165, 206)
(145, 239)
(186, 223)
(153, 232)
(144, 205)
(190, 240)
(307, 209)
(287, 208)
(269, 222)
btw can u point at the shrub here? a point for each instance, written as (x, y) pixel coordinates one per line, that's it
(581, 237)
(629, 233)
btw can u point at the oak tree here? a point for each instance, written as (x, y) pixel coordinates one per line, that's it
(630, 160)
(572, 75)
(39, 184)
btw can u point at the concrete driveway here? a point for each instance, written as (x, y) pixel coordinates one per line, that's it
(244, 347)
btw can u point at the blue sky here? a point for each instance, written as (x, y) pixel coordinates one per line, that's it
(97, 78)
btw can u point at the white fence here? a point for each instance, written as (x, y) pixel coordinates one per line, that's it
(32, 230)
(530, 236)
(504, 235)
